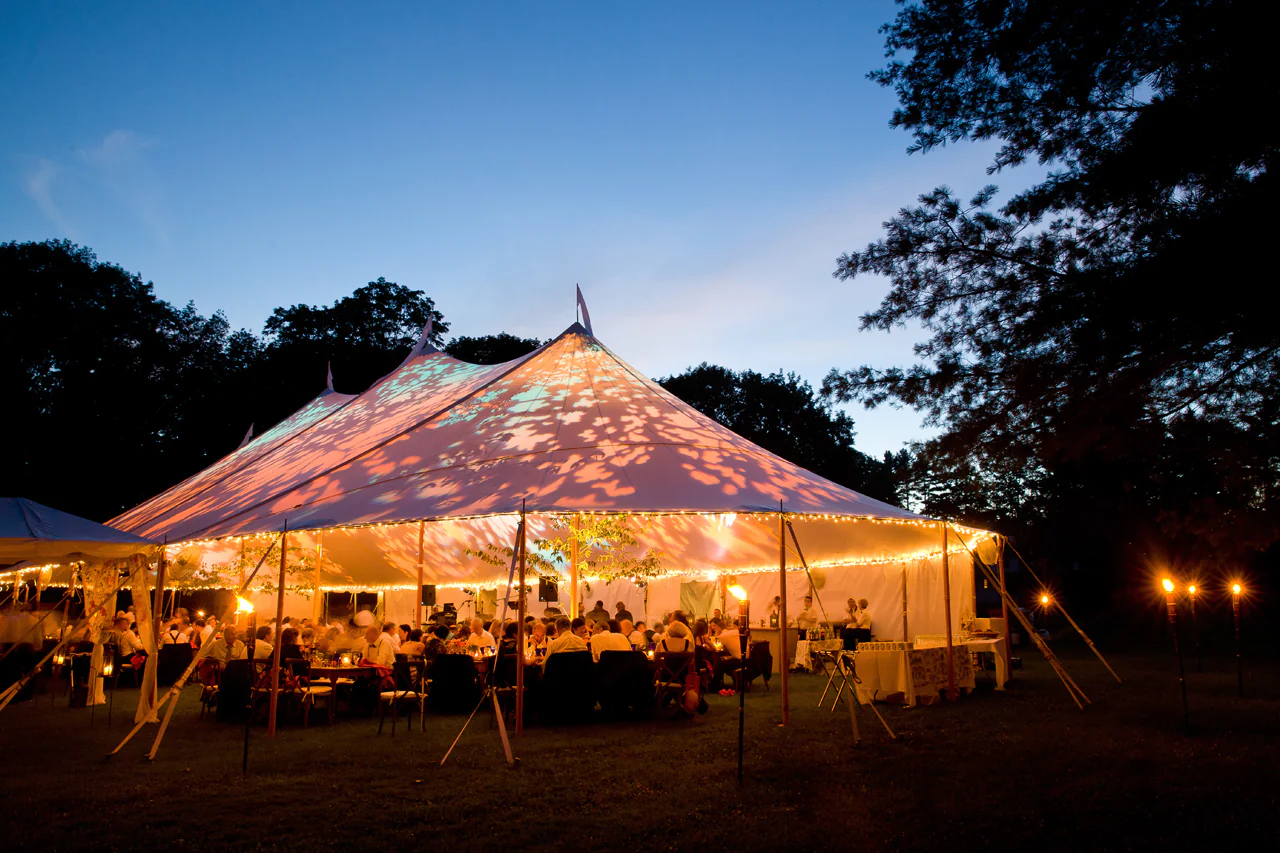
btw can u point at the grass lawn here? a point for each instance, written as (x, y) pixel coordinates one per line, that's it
(1022, 768)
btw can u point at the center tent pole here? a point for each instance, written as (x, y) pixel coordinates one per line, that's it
(317, 601)
(417, 610)
(784, 665)
(524, 538)
(1004, 614)
(906, 637)
(946, 606)
(275, 652)
(573, 569)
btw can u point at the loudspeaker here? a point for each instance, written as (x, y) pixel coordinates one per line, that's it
(428, 595)
(547, 590)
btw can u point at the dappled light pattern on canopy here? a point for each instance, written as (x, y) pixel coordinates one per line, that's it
(568, 428)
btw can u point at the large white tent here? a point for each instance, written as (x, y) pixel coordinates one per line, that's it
(440, 456)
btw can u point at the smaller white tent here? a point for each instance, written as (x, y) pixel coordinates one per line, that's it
(36, 534)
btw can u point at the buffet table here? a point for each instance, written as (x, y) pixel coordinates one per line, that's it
(915, 675)
(772, 636)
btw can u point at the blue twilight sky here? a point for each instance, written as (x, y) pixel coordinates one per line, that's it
(697, 167)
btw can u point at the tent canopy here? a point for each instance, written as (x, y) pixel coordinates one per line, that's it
(567, 429)
(36, 533)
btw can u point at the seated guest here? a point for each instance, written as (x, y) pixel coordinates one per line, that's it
(262, 649)
(434, 644)
(731, 658)
(127, 642)
(677, 639)
(227, 647)
(176, 633)
(307, 639)
(480, 638)
(413, 646)
(639, 636)
(702, 635)
(329, 642)
(536, 641)
(609, 638)
(197, 633)
(289, 648)
(568, 638)
(626, 629)
(730, 640)
(378, 647)
(210, 629)
(401, 636)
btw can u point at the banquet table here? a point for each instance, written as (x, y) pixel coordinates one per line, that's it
(806, 650)
(916, 674)
(995, 647)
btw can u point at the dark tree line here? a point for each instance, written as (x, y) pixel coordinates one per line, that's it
(112, 395)
(1098, 360)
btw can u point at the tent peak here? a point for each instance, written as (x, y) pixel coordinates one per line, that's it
(424, 345)
(585, 314)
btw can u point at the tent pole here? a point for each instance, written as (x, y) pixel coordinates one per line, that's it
(946, 615)
(422, 532)
(524, 538)
(315, 603)
(1004, 614)
(275, 652)
(906, 635)
(573, 569)
(784, 665)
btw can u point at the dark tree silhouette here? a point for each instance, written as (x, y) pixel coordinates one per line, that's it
(781, 413)
(491, 349)
(1095, 338)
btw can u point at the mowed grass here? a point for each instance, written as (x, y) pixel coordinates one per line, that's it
(995, 771)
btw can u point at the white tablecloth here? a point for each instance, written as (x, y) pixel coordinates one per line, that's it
(915, 675)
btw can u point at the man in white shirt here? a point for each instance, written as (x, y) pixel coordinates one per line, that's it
(864, 618)
(808, 618)
(378, 648)
(228, 646)
(480, 638)
(210, 628)
(127, 642)
(609, 639)
(568, 638)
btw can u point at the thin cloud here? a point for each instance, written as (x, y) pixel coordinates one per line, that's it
(121, 164)
(38, 185)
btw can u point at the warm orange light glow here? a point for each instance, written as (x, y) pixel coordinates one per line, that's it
(243, 605)
(1167, 584)
(738, 592)
(200, 613)
(1235, 589)
(1044, 599)
(1192, 589)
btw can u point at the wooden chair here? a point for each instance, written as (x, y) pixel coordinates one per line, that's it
(675, 673)
(567, 691)
(308, 691)
(409, 676)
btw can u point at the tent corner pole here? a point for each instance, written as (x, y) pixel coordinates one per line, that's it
(417, 608)
(1004, 612)
(520, 613)
(946, 614)
(573, 568)
(316, 601)
(275, 637)
(784, 665)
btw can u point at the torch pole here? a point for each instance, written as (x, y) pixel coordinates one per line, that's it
(744, 616)
(1235, 611)
(1195, 631)
(1172, 605)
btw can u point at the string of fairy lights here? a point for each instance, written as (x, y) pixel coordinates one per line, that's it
(213, 580)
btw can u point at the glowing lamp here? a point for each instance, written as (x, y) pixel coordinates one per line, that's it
(1167, 584)
(738, 592)
(108, 667)
(60, 658)
(1235, 589)
(243, 605)
(1044, 599)
(200, 613)
(1192, 589)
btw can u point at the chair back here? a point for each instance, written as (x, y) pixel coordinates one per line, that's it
(173, 660)
(233, 691)
(674, 668)
(453, 684)
(624, 681)
(567, 692)
(760, 661)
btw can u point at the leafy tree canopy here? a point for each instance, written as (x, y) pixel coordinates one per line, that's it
(491, 349)
(1097, 334)
(781, 413)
